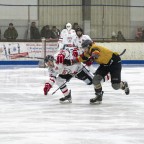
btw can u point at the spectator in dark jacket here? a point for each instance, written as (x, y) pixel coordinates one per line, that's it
(11, 32)
(142, 37)
(120, 37)
(46, 32)
(0, 33)
(34, 31)
(55, 32)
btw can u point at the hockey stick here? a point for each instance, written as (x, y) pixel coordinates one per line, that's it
(59, 87)
(64, 83)
(122, 52)
(6, 55)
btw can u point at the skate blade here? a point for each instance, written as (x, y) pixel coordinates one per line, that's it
(66, 102)
(96, 103)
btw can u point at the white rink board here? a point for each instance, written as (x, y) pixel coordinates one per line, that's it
(134, 51)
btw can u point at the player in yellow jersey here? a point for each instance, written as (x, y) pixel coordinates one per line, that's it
(110, 62)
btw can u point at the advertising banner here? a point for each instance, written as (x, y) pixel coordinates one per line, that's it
(25, 50)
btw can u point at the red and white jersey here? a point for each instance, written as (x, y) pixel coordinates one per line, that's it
(60, 68)
(78, 40)
(66, 38)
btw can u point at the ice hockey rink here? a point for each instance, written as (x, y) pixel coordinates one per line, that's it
(29, 117)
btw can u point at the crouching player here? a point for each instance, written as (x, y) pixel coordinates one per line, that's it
(60, 73)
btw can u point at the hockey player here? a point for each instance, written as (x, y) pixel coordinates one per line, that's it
(110, 62)
(71, 40)
(60, 73)
(80, 37)
(67, 37)
(78, 43)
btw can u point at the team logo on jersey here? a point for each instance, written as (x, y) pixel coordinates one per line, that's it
(66, 71)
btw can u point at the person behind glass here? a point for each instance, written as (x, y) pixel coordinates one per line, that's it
(120, 37)
(142, 37)
(34, 31)
(114, 36)
(55, 32)
(139, 32)
(46, 32)
(11, 33)
(0, 33)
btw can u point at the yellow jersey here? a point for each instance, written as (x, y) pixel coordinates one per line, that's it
(103, 54)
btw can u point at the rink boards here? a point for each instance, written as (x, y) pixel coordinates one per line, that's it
(12, 53)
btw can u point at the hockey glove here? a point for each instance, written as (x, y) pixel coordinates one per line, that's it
(60, 58)
(88, 63)
(75, 52)
(47, 87)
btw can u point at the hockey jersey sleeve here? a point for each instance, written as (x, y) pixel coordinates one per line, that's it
(83, 57)
(88, 57)
(52, 76)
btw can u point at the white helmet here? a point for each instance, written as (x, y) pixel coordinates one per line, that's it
(68, 26)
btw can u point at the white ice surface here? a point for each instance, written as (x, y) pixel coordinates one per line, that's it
(29, 117)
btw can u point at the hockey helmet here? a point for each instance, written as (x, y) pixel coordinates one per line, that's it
(49, 58)
(79, 32)
(79, 29)
(86, 43)
(68, 26)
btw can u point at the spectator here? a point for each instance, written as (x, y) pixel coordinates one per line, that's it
(142, 37)
(46, 32)
(75, 26)
(34, 31)
(55, 32)
(0, 33)
(138, 36)
(11, 32)
(120, 36)
(114, 36)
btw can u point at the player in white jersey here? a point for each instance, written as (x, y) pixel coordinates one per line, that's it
(60, 73)
(67, 37)
(80, 37)
(78, 42)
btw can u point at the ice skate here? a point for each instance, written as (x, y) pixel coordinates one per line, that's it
(97, 99)
(66, 98)
(126, 88)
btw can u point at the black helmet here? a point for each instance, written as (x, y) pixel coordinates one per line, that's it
(48, 58)
(79, 29)
(86, 43)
